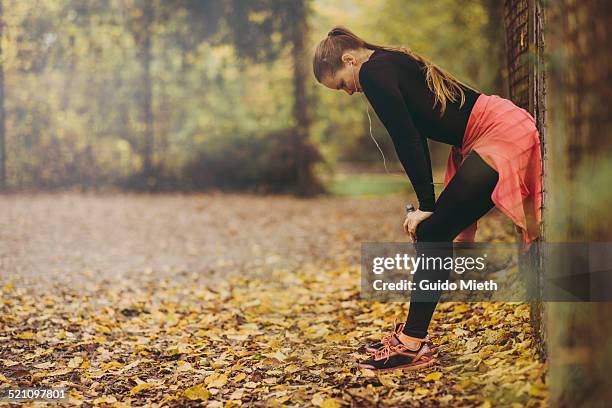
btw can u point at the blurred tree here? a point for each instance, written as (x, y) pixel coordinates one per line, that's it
(299, 33)
(496, 78)
(142, 31)
(577, 171)
(260, 31)
(132, 85)
(2, 124)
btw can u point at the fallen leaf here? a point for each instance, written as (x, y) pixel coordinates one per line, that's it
(75, 362)
(331, 403)
(140, 387)
(216, 380)
(433, 376)
(61, 371)
(197, 392)
(26, 335)
(45, 365)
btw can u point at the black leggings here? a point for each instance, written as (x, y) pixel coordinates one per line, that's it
(466, 198)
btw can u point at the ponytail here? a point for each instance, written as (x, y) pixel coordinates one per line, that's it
(328, 60)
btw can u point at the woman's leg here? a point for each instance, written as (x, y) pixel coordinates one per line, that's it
(466, 198)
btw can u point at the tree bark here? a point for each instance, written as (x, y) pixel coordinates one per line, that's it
(2, 111)
(300, 105)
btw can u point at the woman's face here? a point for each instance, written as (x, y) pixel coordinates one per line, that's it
(347, 78)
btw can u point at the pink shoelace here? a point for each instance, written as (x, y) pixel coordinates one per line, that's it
(384, 351)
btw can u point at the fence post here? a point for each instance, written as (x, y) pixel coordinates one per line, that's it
(524, 27)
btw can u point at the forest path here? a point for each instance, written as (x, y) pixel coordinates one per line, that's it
(255, 300)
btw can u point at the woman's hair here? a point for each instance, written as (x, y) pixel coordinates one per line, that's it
(328, 60)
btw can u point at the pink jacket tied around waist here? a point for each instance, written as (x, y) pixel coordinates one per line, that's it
(506, 138)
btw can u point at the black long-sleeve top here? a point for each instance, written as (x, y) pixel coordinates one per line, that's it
(396, 87)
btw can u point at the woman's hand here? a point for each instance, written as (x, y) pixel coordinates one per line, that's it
(412, 221)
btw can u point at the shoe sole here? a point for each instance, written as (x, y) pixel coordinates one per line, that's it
(373, 350)
(407, 367)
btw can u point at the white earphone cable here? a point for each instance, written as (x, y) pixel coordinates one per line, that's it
(370, 129)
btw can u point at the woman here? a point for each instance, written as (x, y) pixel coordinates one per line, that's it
(495, 160)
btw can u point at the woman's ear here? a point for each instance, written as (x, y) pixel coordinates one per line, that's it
(349, 58)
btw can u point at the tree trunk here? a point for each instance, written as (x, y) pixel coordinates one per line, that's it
(523, 21)
(300, 104)
(578, 181)
(146, 103)
(494, 30)
(2, 112)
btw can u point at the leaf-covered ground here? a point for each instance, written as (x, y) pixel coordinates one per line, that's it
(229, 300)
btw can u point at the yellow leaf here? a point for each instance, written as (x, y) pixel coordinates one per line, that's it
(10, 319)
(522, 311)
(180, 348)
(460, 308)
(471, 345)
(292, 368)
(140, 387)
(197, 392)
(103, 329)
(105, 400)
(387, 381)
(453, 367)
(26, 335)
(331, 403)
(445, 398)
(170, 398)
(367, 373)
(111, 365)
(538, 390)
(216, 380)
(433, 376)
(3, 378)
(422, 391)
(240, 377)
(337, 337)
(464, 384)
